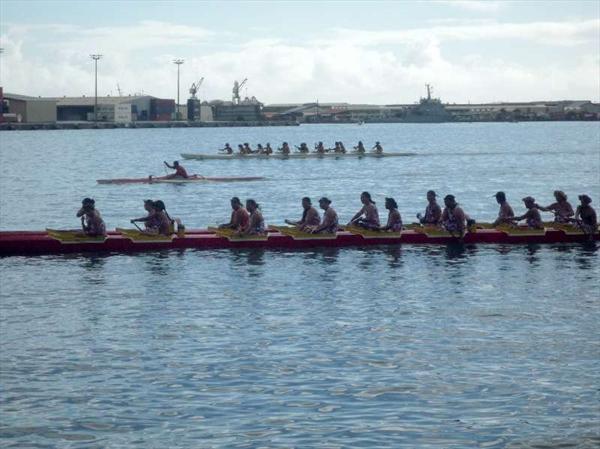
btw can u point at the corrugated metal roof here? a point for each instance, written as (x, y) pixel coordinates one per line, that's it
(24, 97)
(89, 101)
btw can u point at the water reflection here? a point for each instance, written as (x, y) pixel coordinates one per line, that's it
(326, 255)
(531, 250)
(158, 263)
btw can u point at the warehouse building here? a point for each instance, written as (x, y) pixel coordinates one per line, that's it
(25, 109)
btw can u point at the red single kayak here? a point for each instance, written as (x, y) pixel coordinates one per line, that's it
(170, 180)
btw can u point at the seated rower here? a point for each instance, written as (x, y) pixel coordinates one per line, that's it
(532, 216)
(505, 214)
(330, 218)
(319, 148)
(227, 149)
(367, 217)
(241, 149)
(310, 217)
(247, 148)
(394, 222)
(239, 216)
(92, 224)
(259, 149)
(585, 216)
(157, 222)
(342, 148)
(268, 149)
(360, 148)
(337, 148)
(285, 148)
(256, 222)
(454, 219)
(563, 211)
(433, 211)
(377, 149)
(149, 207)
(303, 148)
(180, 172)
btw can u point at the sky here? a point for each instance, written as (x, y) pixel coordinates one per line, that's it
(375, 52)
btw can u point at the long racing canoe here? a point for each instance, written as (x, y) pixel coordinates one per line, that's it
(295, 155)
(190, 180)
(130, 240)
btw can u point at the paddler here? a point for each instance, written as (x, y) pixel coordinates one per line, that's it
(310, 217)
(394, 222)
(256, 222)
(180, 172)
(563, 211)
(247, 149)
(259, 149)
(330, 218)
(505, 214)
(285, 148)
(319, 148)
(268, 149)
(377, 149)
(227, 149)
(157, 222)
(91, 222)
(303, 148)
(241, 149)
(360, 148)
(532, 216)
(149, 207)
(342, 148)
(239, 216)
(433, 211)
(367, 217)
(585, 216)
(454, 219)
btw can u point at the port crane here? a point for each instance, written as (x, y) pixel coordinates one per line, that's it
(195, 87)
(236, 90)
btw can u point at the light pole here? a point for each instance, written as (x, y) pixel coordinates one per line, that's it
(95, 58)
(178, 62)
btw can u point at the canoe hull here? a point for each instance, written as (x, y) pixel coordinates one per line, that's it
(191, 180)
(38, 243)
(202, 156)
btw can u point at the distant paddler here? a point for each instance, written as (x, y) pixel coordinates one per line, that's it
(285, 148)
(505, 214)
(256, 222)
(342, 147)
(180, 172)
(241, 149)
(310, 217)
(92, 224)
(360, 148)
(157, 221)
(303, 148)
(563, 211)
(320, 148)
(368, 216)
(454, 219)
(247, 149)
(377, 149)
(268, 149)
(259, 149)
(433, 211)
(330, 218)
(532, 217)
(585, 216)
(239, 216)
(227, 149)
(394, 221)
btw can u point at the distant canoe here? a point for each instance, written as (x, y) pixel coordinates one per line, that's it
(166, 180)
(204, 156)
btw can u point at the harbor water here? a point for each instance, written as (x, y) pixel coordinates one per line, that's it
(392, 346)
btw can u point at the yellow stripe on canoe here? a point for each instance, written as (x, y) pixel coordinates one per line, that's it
(297, 234)
(233, 236)
(136, 236)
(370, 234)
(73, 236)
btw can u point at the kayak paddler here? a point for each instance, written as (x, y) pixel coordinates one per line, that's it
(91, 222)
(310, 217)
(239, 216)
(367, 217)
(180, 172)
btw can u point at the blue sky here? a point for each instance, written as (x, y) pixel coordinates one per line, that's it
(362, 52)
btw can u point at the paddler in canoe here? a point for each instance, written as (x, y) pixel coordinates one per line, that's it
(256, 222)
(268, 150)
(454, 219)
(330, 218)
(505, 214)
(563, 211)
(585, 216)
(247, 149)
(180, 172)
(532, 217)
(319, 148)
(241, 150)
(367, 217)
(285, 148)
(360, 148)
(310, 217)
(433, 211)
(92, 224)
(303, 148)
(157, 221)
(227, 149)
(239, 216)
(377, 149)
(394, 221)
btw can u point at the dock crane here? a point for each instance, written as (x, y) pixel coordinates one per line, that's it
(236, 90)
(195, 86)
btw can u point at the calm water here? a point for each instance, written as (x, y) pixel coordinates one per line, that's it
(413, 346)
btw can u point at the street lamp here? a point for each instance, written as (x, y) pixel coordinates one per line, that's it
(178, 62)
(95, 58)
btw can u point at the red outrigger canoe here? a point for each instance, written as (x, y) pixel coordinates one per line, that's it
(171, 180)
(125, 241)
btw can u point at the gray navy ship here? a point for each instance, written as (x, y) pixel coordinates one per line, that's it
(429, 110)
